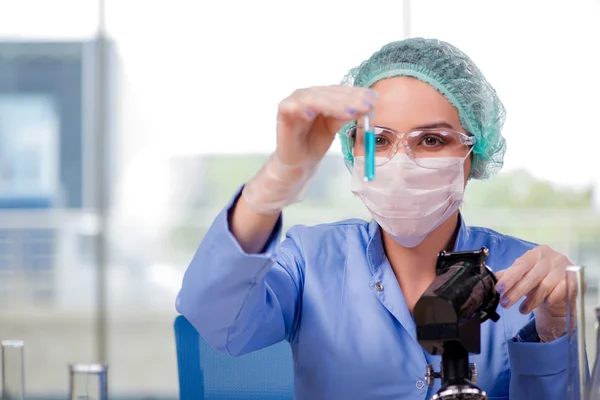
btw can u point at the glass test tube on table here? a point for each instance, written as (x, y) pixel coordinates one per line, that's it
(88, 382)
(577, 361)
(13, 369)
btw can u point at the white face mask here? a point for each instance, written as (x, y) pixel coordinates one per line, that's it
(407, 200)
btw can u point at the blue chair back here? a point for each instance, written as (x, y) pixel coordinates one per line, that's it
(205, 374)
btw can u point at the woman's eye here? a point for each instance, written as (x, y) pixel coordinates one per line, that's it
(432, 141)
(381, 141)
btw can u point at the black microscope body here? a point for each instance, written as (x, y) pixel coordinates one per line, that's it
(448, 317)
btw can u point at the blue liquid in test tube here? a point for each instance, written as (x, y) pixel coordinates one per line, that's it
(369, 150)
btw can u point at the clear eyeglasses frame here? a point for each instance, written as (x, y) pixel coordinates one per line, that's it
(420, 145)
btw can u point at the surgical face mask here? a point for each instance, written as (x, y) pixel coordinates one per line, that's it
(409, 201)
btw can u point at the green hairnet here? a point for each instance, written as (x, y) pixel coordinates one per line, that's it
(454, 75)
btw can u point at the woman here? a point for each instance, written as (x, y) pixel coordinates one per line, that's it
(342, 294)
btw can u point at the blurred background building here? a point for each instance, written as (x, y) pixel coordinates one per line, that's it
(178, 110)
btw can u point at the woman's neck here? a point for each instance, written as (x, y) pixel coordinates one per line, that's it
(415, 267)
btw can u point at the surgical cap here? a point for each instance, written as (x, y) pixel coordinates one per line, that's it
(454, 75)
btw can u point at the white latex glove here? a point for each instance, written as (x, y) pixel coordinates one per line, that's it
(307, 122)
(278, 185)
(540, 276)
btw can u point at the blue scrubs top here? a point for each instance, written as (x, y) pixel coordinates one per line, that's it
(330, 291)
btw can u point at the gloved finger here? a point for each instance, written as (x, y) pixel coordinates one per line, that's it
(526, 285)
(356, 101)
(539, 295)
(510, 276)
(336, 102)
(559, 294)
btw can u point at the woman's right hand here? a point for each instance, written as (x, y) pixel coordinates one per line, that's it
(308, 120)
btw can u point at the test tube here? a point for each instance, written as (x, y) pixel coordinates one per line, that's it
(13, 371)
(88, 382)
(369, 149)
(577, 368)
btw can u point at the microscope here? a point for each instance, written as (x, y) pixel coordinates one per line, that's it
(448, 317)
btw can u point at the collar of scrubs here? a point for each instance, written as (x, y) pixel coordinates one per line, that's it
(376, 254)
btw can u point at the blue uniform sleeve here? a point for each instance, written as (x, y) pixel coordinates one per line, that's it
(538, 370)
(242, 302)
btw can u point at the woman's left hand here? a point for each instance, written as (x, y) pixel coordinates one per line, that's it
(540, 276)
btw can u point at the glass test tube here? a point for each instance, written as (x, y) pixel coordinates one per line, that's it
(13, 370)
(369, 149)
(88, 382)
(577, 359)
(593, 385)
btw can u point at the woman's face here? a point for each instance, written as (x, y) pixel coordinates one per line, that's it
(406, 104)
